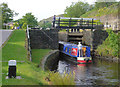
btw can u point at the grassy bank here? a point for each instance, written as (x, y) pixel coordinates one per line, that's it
(15, 50)
(113, 9)
(110, 45)
(38, 54)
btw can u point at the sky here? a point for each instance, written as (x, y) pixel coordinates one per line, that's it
(41, 9)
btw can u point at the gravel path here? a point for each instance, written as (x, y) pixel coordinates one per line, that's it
(4, 34)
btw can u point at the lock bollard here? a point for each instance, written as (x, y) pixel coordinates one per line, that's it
(12, 68)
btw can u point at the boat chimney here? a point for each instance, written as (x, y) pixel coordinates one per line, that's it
(79, 45)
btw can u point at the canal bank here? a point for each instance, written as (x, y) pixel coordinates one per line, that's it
(106, 58)
(109, 49)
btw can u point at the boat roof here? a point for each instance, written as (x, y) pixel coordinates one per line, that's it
(62, 42)
(69, 44)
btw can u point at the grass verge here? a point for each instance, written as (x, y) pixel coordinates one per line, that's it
(15, 50)
(38, 54)
(0, 58)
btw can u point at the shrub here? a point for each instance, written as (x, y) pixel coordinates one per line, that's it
(110, 45)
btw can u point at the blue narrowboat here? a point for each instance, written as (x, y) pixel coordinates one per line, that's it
(76, 53)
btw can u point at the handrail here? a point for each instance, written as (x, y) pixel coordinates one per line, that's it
(28, 37)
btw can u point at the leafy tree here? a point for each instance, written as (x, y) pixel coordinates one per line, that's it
(16, 24)
(48, 25)
(29, 19)
(20, 22)
(24, 26)
(45, 24)
(7, 13)
(77, 9)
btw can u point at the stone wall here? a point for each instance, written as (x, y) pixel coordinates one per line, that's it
(50, 61)
(94, 38)
(44, 39)
(87, 38)
(98, 37)
(63, 36)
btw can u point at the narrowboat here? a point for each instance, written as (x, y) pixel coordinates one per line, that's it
(75, 53)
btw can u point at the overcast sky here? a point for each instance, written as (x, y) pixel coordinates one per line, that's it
(41, 9)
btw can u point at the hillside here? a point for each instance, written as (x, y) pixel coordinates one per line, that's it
(47, 22)
(113, 9)
(107, 15)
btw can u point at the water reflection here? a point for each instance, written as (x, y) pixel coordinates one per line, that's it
(97, 73)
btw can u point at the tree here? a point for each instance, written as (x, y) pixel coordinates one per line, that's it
(7, 13)
(16, 24)
(29, 19)
(20, 22)
(45, 24)
(24, 26)
(77, 9)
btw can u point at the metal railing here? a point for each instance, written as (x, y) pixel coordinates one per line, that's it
(29, 47)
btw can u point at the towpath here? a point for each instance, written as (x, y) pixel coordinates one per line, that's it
(4, 34)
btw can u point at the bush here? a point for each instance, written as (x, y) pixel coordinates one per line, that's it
(110, 45)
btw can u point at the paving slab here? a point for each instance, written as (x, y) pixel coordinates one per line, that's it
(17, 77)
(4, 34)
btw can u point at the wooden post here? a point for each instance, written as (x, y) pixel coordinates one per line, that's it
(81, 23)
(68, 30)
(97, 25)
(59, 22)
(54, 18)
(71, 30)
(88, 23)
(92, 35)
(92, 24)
(69, 22)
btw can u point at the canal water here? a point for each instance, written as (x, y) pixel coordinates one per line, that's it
(98, 73)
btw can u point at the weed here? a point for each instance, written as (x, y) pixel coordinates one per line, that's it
(64, 79)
